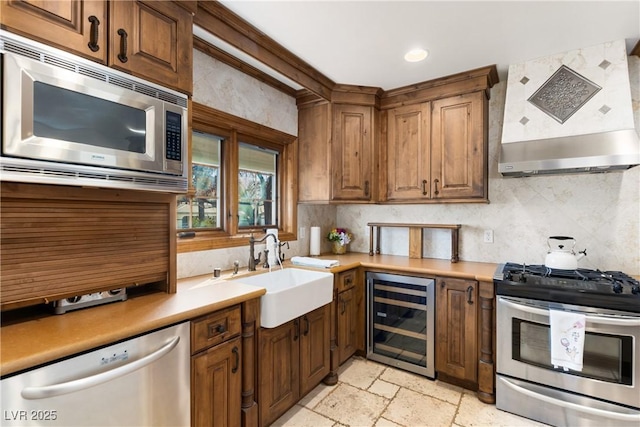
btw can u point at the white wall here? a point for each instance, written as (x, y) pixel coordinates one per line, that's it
(601, 211)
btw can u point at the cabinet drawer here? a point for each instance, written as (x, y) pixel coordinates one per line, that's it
(346, 280)
(215, 328)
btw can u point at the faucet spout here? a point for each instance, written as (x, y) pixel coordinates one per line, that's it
(252, 242)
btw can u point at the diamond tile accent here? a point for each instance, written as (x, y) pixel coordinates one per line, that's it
(524, 120)
(604, 64)
(605, 109)
(564, 93)
(524, 80)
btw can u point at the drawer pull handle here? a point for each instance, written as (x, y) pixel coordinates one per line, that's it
(217, 329)
(296, 330)
(470, 295)
(122, 56)
(236, 353)
(93, 34)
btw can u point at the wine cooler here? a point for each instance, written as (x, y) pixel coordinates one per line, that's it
(400, 321)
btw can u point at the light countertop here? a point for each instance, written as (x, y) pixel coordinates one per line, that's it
(41, 340)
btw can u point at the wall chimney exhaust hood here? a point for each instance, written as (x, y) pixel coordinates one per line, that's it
(570, 113)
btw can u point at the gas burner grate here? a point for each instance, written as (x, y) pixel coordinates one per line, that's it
(578, 274)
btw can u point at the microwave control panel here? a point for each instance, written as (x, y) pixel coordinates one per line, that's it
(173, 140)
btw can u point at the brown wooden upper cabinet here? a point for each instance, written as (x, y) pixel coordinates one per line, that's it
(423, 143)
(337, 146)
(408, 152)
(149, 39)
(437, 151)
(352, 153)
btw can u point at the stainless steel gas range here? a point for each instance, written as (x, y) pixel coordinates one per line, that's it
(604, 388)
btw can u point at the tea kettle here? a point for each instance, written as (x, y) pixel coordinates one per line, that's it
(561, 255)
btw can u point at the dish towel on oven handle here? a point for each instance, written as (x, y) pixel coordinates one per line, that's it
(567, 339)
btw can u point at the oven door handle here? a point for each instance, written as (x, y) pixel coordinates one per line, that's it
(600, 319)
(571, 405)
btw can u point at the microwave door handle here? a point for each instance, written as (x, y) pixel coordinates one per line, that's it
(626, 321)
(103, 377)
(574, 406)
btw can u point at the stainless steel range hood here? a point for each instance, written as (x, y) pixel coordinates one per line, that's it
(570, 113)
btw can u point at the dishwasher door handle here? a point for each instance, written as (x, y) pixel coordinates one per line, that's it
(103, 377)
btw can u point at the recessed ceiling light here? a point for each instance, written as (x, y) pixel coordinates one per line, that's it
(415, 55)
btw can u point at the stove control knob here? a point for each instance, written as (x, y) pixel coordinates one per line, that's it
(635, 290)
(617, 288)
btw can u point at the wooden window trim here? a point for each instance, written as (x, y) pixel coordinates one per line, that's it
(235, 129)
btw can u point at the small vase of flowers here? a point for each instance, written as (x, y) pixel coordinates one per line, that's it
(340, 238)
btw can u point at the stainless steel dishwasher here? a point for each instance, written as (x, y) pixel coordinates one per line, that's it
(143, 381)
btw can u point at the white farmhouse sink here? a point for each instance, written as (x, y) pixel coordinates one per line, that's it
(291, 292)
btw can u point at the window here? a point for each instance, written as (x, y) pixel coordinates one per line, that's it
(257, 186)
(242, 181)
(202, 209)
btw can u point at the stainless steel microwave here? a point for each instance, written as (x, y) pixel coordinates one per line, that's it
(70, 121)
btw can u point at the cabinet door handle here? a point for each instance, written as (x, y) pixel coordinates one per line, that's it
(470, 295)
(344, 305)
(122, 56)
(424, 187)
(366, 188)
(296, 330)
(93, 34)
(306, 326)
(236, 353)
(435, 183)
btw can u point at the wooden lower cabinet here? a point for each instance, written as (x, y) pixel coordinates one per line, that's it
(293, 359)
(347, 324)
(216, 371)
(217, 379)
(457, 331)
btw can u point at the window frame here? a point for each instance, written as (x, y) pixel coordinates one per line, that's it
(235, 130)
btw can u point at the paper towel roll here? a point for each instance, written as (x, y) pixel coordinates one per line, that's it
(272, 247)
(314, 241)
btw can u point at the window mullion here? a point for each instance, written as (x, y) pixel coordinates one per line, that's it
(231, 184)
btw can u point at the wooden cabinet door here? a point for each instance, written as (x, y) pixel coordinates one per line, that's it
(315, 342)
(217, 386)
(352, 152)
(152, 40)
(347, 324)
(73, 25)
(279, 362)
(314, 153)
(408, 152)
(456, 325)
(459, 147)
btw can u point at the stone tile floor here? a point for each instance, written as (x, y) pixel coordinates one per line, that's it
(369, 394)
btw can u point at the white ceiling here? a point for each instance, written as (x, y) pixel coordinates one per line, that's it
(363, 42)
